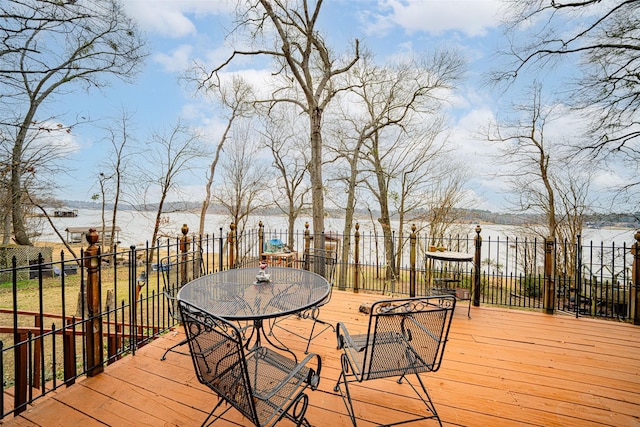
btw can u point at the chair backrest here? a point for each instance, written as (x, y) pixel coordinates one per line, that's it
(321, 261)
(407, 336)
(216, 349)
(176, 270)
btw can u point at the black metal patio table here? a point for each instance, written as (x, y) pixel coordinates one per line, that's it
(451, 256)
(238, 295)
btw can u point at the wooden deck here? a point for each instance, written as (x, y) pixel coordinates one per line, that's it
(500, 368)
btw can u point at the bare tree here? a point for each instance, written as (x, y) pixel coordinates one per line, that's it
(46, 47)
(167, 158)
(244, 178)
(601, 39)
(444, 198)
(347, 139)
(396, 173)
(397, 98)
(40, 151)
(546, 181)
(116, 165)
(573, 198)
(236, 98)
(306, 67)
(282, 136)
(352, 128)
(527, 157)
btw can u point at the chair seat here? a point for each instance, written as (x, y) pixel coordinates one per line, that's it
(272, 382)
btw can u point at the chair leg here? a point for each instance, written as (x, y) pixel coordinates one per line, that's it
(311, 315)
(426, 399)
(296, 411)
(311, 336)
(217, 417)
(346, 395)
(172, 349)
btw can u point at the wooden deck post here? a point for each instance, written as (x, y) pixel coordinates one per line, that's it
(231, 240)
(261, 240)
(356, 259)
(412, 262)
(307, 237)
(20, 370)
(94, 310)
(69, 350)
(476, 262)
(184, 248)
(37, 356)
(549, 284)
(634, 293)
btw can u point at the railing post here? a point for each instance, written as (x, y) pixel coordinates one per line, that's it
(184, 248)
(549, 282)
(356, 259)
(133, 301)
(37, 356)
(231, 240)
(109, 308)
(476, 261)
(220, 251)
(412, 262)
(20, 354)
(307, 245)
(307, 237)
(93, 337)
(261, 240)
(634, 294)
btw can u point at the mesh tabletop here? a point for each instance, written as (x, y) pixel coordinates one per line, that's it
(236, 295)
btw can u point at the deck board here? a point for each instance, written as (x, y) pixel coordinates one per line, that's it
(501, 367)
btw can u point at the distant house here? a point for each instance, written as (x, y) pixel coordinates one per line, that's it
(79, 234)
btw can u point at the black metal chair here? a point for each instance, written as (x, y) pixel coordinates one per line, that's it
(322, 262)
(177, 270)
(405, 336)
(263, 385)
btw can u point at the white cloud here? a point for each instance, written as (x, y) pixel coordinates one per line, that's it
(471, 17)
(177, 60)
(169, 17)
(58, 135)
(161, 18)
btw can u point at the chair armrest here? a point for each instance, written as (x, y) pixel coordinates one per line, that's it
(345, 338)
(314, 375)
(313, 378)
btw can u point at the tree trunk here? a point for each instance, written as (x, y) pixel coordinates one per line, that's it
(156, 227)
(205, 206)
(315, 172)
(17, 209)
(346, 240)
(348, 215)
(291, 223)
(385, 223)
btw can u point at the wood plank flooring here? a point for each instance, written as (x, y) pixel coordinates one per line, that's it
(500, 368)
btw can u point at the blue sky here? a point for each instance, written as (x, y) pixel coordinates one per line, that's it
(180, 31)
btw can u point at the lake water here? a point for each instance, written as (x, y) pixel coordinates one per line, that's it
(137, 227)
